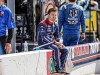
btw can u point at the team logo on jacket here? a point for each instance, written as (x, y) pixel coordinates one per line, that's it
(73, 12)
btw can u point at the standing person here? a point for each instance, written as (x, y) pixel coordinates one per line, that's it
(48, 32)
(6, 23)
(71, 17)
(88, 4)
(83, 3)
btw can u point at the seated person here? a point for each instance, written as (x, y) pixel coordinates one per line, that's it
(48, 32)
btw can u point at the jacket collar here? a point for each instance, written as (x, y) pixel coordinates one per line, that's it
(49, 22)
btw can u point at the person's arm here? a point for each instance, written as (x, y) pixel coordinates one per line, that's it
(61, 18)
(83, 25)
(10, 25)
(43, 33)
(10, 35)
(86, 4)
(79, 2)
(56, 34)
(8, 47)
(57, 38)
(10, 20)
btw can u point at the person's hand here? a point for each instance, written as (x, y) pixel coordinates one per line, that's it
(60, 45)
(60, 34)
(8, 48)
(83, 36)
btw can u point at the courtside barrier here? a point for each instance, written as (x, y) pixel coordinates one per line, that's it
(40, 62)
(28, 63)
(84, 53)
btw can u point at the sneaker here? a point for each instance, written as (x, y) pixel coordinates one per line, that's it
(61, 71)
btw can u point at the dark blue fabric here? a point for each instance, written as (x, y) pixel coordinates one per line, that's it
(71, 39)
(47, 33)
(1, 50)
(59, 59)
(71, 17)
(6, 20)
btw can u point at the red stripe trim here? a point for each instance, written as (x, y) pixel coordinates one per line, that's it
(43, 22)
(85, 59)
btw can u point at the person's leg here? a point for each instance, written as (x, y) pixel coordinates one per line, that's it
(63, 57)
(74, 40)
(66, 39)
(56, 56)
(2, 41)
(59, 59)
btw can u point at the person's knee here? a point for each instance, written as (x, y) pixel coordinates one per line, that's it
(55, 48)
(65, 51)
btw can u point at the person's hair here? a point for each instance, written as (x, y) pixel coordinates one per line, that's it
(72, 0)
(51, 10)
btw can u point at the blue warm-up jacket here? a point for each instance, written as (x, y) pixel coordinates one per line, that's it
(47, 32)
(6, 20)
(71, 18)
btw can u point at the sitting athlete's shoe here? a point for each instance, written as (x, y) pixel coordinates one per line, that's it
(61, 71)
